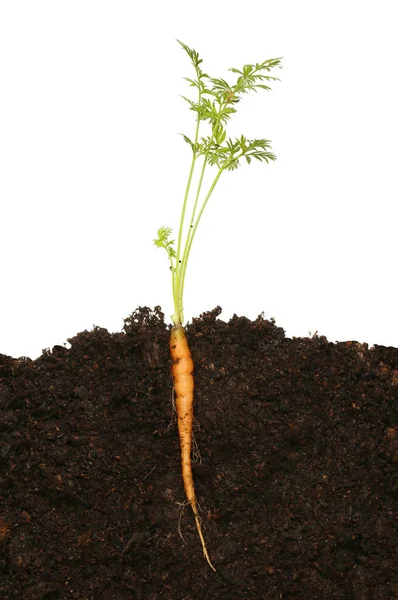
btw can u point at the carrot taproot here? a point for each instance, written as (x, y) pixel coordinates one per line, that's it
(182, 371)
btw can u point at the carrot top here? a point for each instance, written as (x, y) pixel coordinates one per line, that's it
(216, 102)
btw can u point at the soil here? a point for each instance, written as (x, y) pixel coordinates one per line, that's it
(295, 467)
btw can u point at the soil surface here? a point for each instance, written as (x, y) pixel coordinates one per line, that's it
(295, 467)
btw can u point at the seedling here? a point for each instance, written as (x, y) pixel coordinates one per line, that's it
(216, 103)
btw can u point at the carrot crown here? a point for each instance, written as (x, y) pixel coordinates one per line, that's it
(216, 103)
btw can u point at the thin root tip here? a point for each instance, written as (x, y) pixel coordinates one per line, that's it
(209, 562)
(206, 554)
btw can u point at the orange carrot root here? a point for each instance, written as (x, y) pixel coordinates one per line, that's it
(182, 370)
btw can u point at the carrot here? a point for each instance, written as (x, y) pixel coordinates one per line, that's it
(182, 371)
(216, 103)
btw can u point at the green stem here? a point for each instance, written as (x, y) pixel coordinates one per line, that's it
(173, 275)
(184, 206)
(177, 271)
(183, 260)
(187, 250)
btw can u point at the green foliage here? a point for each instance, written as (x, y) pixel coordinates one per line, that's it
(219, 108)
(228, 156)
(162, 241)
(216, 103)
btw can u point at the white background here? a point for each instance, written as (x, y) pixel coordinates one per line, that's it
(92, 164)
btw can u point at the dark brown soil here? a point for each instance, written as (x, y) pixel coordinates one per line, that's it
(296, 472)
